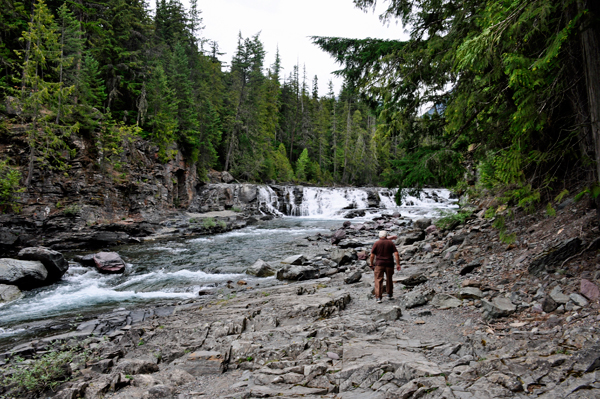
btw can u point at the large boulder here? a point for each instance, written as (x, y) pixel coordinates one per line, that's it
(260, 268)
(445, 301)
(353, 277)
(53, 261)
(412, 281)
(423, 223)
(338, 236)
(499, 307)
(297, 273)
(109, 263)
(226, 177)
(9, 293)
(25, 274)
(340, 257)
(248, 193)
(417, 298)
(85, 260)
(411, 237)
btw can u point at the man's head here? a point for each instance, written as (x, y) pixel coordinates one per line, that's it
(383, 234)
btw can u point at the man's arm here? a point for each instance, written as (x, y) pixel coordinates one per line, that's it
(371, 260)
(397, 257)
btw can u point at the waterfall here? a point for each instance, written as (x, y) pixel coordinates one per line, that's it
(326, 202)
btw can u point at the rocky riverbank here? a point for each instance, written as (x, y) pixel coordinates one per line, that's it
(473, 318)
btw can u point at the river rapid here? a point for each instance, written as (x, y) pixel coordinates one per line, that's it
(178, 269)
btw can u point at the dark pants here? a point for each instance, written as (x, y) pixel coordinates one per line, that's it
(389, 283)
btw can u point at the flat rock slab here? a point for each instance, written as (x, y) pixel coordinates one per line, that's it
(296, 391)
(202, 363)
(445, 301)
(216, 214)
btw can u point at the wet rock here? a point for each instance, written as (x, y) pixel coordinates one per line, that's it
(548, 260)
(445, 301)
(54, 262)
(417, 298)
(338, 236)
(347, 224)
(85, 260)
(202, 363)
(469, 268)
(413, 280)
(589, 290)
(499, 307)
(25, 274)
(260, 268)
(353, 277)
(422, 223)
(109, 263)
(549, 305)
(557, 295)
(9, 293)
(294, 260)
(470, 293)
(298, 273)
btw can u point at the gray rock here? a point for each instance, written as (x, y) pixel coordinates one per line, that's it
(13, 106)
(136, 366)
(499, 307)
(470, 293)
(25, 274)
(294, 260)
(353, 277)
(338, 236)
(85, 260)
(226, 177)
(202, 363)
(417, 298)
(260, 268)
(588, 360)
(470, 267)
(54, 262)
(297, 273)
(422, 223)
(248, 192)
(340, 257)
(392, 314)
(579, 300)
(445, 301)
(427, 248)
(160, 392)
(413, 280)
(411, 237)
(548, 260)
(557, 295)
(9, 293)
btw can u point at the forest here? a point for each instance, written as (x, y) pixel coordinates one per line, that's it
(500, 96)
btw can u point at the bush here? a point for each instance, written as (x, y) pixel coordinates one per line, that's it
(9, 187)
(208, 223)
(450, 219)
(71, 210)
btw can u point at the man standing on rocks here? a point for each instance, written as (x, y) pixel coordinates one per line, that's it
(383, 253)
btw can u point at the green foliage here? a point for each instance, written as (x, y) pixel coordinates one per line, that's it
(301, 165)
(208, 223)
(500, 224)
(46, 372)
(71, 210)
(550, 211)
(221, 224)
(451, 219)
(9, 187)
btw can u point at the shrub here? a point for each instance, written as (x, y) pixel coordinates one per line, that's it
(208, 223)
(71, 210)
(9, 187)
(450, 219)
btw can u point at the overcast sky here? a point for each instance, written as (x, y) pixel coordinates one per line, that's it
(289, 25)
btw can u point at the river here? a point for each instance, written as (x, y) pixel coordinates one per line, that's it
(177, 269)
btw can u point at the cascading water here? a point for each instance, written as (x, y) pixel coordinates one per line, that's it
(329, 202)
(268, 201)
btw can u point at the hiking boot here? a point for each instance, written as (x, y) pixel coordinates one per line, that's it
(390, 297)
(378, 300)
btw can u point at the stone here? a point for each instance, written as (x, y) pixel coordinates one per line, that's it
(340, 257)
(411, 281)
(13, 106)
(294, 260)
(392, 314)
(470, 267)
(338, 236)
(333, 356)
(260, 268)
(248, 193)
(160, 392)
(457, 239)
(353, 277)
(579, 300)
(9, 293)
(298, 273)
(109, 263)
(499, 307)
(431, 229)
(471, 283)
(427, 248)
(548, 260)
(136, 366)
(445, 301)
(422, 223)
(557, 295)
(202, 363)
(227, 177)
(470, 293)
(54, 262)
(25, 274)
(589, 290)
(417, 298)
(85, 260)
(588, 360)
(411, 237)
(549, 305)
